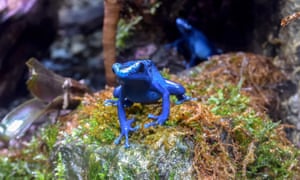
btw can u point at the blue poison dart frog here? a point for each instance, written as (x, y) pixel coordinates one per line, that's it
(193, 44)
(141, 82)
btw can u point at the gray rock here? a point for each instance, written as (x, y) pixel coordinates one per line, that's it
(137, 162)
(77, 44)
(60, 54)
(294, 105)
(95, 39)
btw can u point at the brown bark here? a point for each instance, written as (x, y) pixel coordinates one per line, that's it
(111, 17)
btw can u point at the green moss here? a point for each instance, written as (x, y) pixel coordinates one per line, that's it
(49, 135)
(165, 73)
(228, 101)
(272, 161)
(98, 125)
(97, 170)
(125, 30)
(172, 176)
(60, 168)
(30, 165)
(21, 170)
(273, 158)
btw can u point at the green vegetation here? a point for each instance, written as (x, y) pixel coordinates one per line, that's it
(125, 30)
(60, 168)
(266, 153)
(233, 137)
(27, 164)
(96, 169)
(50, 134)
(226, 128)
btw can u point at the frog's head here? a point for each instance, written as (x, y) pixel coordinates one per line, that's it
(133, 70)
(183, 26)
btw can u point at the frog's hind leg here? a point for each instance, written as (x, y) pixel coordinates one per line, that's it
(177, 90)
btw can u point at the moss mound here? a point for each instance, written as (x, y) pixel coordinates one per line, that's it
(232, 134)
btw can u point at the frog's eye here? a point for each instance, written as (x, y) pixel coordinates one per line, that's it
(141, 67)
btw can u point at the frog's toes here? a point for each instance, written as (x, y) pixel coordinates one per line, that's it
(117, 141)
(159, 121)
(152, 116)
(154, 123)
(185, 98)
(110, 102)
(125, 129)
(128, 125)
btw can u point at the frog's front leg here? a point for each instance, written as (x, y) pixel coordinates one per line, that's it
(161, 119)
(193, 60)
(116, 94)
(125, 124)
(176, 44)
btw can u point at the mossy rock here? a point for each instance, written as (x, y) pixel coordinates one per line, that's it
(225, 134)
(115, 162)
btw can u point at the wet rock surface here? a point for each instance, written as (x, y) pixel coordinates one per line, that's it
(288, 59)
(137, 162)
